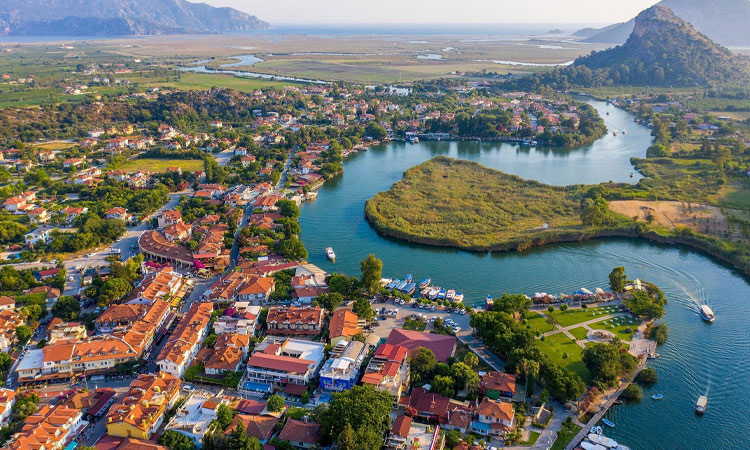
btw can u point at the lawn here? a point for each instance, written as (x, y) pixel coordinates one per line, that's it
(533, 436)
(204, 81)
(55, 145)
(537, 323)
(159, 165)
(565, 353)
(580, 333)
(576, 316)
(618, 327)
(565, 435)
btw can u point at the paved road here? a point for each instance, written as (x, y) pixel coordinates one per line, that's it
(124, 245)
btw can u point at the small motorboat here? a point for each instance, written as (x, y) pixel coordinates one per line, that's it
(706, 313)
(700, 405)
(657, 396)
(618, 402)
(608, 423)
(441, 294)
(330, 254)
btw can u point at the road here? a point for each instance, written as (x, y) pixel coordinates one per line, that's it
(125, 245)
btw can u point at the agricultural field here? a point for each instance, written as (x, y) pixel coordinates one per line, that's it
(159, 165)
(204, 81)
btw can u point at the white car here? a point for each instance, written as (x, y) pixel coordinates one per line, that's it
(78, 267)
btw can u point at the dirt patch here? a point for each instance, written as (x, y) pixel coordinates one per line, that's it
(704, 219)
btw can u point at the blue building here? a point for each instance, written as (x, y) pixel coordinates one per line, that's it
(340, 371)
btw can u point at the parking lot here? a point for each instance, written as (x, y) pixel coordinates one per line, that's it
(389, 322)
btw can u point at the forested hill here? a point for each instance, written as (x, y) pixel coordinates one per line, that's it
(724, 21)
(119, 17)
(663, 50)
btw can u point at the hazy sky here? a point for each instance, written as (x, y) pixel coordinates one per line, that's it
(439, 11)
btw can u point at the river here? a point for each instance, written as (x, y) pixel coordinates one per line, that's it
(697, 359)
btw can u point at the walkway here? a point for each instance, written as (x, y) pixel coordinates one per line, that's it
(566, 330)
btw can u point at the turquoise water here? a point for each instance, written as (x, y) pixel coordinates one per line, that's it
(697, 359)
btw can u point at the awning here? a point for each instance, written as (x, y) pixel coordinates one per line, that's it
(72, 445)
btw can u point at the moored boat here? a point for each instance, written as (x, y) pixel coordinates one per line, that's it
(424, 283)
(608, 423)
(408, 278)
(441, 294)
(409, 288)
(700, 405)
(433, 293)
(459, 297)
(707, 313)
(450, 294)
(330, 254)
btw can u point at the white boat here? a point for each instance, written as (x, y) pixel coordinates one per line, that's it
(330, 254)
(459, 297)
(614, 133)
(602, 440)
(706, 313)
(590, 446)
(450, 295)
(433, 293)
(700, 405)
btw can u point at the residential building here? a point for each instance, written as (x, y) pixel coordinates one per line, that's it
(169, 217)
(442, 346)
(157, 285)
(280, 361)
(194, 417)
(245, 323)
(40, 235)
(7, 303)
(344, 325)
(117, 213)
(494, 418)
(341, 370)
(107, 442)
(294, 321)
(50, 428)
(66, 331)
(430, 406)
(185, 340)
(258, 426)
(156, 247)
(399, 435)
(7, 400)
(497, 385)
(388, 370)
(140, 412)
(9, 321)
(229, 351)
(300, 434)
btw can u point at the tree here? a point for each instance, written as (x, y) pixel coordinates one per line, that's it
(329, 301)
(66, 308)
(372, 272)
(647, 375)
(275, 403)
(363, 310)
(363, 409)
(607, 362)
(471, 359)
(423, 363)
(113, 289)
(465, 377)
(443, 385)
(632, 392)
(453, 438)
(239, 440)
(342, 284)
(24, 406)
(288, 208)
(659, 333)
(347, 440)
(512, 304)
(176, 441)
(617, 279)
(292, 249)
(224, 416)
(23, 334)
(4, 362)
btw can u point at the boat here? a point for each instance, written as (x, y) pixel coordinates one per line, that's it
(441, 294)
(408, 278)
(534, 143)
(608, 423)
(409, 288)
(424, 292)
(618, 402)
(597, 441)
(450, 294)
(624, 131)
(459, 297)
(433, 293)
(657, 396)
(330, 254)
(653, 355)
(424, 283)
(700, 405)
(402, 284)
(597, 430)
(706, 313)
(614, 133)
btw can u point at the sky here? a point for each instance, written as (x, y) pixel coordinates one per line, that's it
(311, 12)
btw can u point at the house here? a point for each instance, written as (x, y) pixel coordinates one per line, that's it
(277, 362)
(245, 323)
(178, 232)
(169, 217)
(66, 331)
(117, 213)
(494, 418)
(258, 426)
(228, 353)
(430, 406)
(73, 163)
(107, 442)
(46, 274)
(442, 346)
(7, 303)
(498, 384)
(216, 124)
(14, 204)
(38, 216)
(40, 235)
(7, 400)
(193, 418)
(50, 294)
(185, 340)
(300, 434)
(50, 428)
(398, 437)
(257, 290)
(388, 370)
(341, 370)
(9, 321)
(140, 412)
(344, 325)
(72, 213)
(294, 321)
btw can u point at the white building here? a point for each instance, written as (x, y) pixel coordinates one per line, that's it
(7, 400)
(41, 234)
(278, 361)
(194, 417)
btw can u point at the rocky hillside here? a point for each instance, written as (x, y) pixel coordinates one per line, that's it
(119, 17)
(664, 50)
(724, 21)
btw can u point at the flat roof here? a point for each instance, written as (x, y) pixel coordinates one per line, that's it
(34, 359)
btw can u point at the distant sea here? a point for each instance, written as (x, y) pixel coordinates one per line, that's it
(490, 30)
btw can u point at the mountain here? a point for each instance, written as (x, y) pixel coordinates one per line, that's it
(724, 21)
(664, 50)
(119, 18)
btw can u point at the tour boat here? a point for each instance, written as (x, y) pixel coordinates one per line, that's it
(408, 278)
(450, 294)
(657, 396)
(402, 284)
(424, 283)
(441, 294)
(706, 313)
(700, 405)
(409, 288)
(608, 423)
(425, 292)
(434, 293)
(459, 297)
(330, 254)
(392, 284)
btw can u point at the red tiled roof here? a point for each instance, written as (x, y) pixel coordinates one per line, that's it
(279, 362)
(299, 431)
(401, 426)
(499, 381)
(442, 346)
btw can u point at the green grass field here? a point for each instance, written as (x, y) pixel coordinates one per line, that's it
(533, 436)
(55, 145)
(575, 316)
(565, 435)
(537, 323)
(580, 333)
(618, 327)
(204, 81)
(566, 353)
(159, 165)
